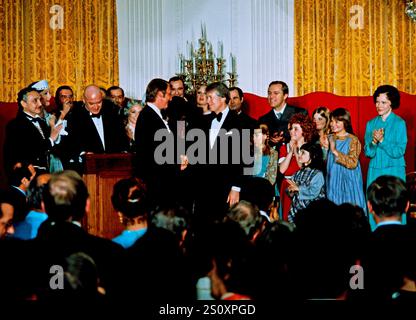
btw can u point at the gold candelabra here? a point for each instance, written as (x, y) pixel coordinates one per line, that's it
(202, 66)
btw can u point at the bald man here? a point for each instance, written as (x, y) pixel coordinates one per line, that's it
(94, 128)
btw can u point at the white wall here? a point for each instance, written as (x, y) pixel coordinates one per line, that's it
(259, 33)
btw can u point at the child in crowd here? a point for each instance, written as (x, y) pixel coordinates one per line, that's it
(307, 184)
(344, 180)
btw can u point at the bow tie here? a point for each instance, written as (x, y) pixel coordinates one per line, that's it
(97, 115)
(217, 116)
(35, 119)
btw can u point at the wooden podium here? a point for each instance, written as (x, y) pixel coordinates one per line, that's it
(102, 171)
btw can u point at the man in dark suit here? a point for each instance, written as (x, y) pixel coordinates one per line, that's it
(236, 104)
(159, 171)
(66, 201)
(93, 128)
(389, 243)
(277, 119)
(29, 140)
(219, 180)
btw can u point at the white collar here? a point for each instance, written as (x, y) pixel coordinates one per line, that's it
(281, 111)
(155, 109)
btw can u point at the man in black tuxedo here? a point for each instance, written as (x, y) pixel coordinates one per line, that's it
(236, 104)
(29, 140)
(219, 180)
(277, 119)
(150, 165)
(390, 242)
(93, 128)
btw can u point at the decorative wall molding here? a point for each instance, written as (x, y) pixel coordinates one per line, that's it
(259, 33)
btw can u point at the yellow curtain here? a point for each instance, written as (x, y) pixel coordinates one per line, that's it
(350, 47)
(71, 42)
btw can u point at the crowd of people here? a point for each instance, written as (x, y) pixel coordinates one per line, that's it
(246, 208)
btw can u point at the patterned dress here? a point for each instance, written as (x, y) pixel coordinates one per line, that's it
(344, 181)
(311, 184)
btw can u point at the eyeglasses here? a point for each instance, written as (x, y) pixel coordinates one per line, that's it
(67, 96)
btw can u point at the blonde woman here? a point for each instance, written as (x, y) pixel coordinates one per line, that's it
(320, 117)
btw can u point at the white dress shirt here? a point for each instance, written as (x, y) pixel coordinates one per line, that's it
(98, 122)
(157, 110)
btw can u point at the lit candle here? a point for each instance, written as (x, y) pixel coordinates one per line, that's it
(191, 52)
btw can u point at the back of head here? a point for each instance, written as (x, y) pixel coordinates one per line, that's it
(65, 196)
(35, 191)
(388, 196)
(321, 271)
(18, 174)
(258, 191)
(174, 219)
(247, 215)
(130, 197)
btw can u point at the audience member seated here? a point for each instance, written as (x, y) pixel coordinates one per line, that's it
(325, 250)
(19, 183)
(389, 243)
(129, 200)
(6, 215)
(232, 272)
(28, 228)
(274, 249)
(248, 217)
(66, 201)
(258, 191)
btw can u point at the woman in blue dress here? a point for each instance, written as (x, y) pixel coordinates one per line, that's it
(344, 179)
(385, 138)
(266, 165)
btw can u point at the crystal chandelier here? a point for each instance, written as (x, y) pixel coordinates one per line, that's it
(202, 66)
(411, 10)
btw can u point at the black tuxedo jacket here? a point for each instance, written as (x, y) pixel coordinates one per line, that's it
(24, 143)
(160, 177)
(83, 135)
(276, 125)
(246, 121)
(387, 249)
(223, 170)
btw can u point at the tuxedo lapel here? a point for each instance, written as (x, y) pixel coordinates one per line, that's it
(287, 114)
